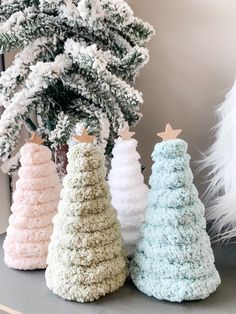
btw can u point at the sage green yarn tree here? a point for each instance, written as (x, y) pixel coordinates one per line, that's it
(174, 260)
(86, 259)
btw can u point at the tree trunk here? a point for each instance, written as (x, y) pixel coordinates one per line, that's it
(61, 159)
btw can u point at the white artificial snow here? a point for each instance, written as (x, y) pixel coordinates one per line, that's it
(47, 69)
(42, 2)
(69, 9)
(7, 1)
(79, 50)
(10, 163)
(96, 11)
(82, 10)
(118, 7)
(19, 68)
(17, 106)
(14, 21)
(104, 130)
(58, 132)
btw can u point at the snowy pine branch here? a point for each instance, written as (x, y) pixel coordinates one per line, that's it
(129, 66)
(23, 102)
(33, 25)
(120, 17)
(16, 74)
(8, 8)
(63, 129)
(75, 64)
(90, 59)
(11, 165)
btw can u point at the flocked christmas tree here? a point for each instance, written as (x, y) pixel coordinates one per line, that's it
(77, 61)
(86, 258)
(128, 191)
(174, 260)
(35, 203)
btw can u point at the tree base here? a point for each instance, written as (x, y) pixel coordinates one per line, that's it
(29, 263)
(175, 290)
(80, 292)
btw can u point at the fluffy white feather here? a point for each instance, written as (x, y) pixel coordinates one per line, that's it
(221, 159)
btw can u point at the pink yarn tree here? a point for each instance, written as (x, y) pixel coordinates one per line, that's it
(34, 205)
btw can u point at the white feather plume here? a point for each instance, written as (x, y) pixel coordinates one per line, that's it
(221, 159)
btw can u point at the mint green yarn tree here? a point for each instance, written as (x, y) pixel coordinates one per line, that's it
(174, 260)
(85, 257)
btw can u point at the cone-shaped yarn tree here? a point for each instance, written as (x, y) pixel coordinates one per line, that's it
(129, 193)
(174, 260)
(86, 258)
(35, 203)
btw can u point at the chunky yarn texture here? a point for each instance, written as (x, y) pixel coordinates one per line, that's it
(129, 193)
(174, 260)
(34, 204)
(86, 259)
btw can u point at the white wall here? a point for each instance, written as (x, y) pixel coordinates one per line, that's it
(4, 191)
(4, 201)
(192, 65)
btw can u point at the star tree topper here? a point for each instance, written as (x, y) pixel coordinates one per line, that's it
(84, 137)
(35, 139)
(170, 133)
(125, 134)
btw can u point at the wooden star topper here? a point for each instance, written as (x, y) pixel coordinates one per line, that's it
(170, 133)
(84, 137)
(125, 134)
(35, 139)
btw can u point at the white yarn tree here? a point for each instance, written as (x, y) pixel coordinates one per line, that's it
(129, 193)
